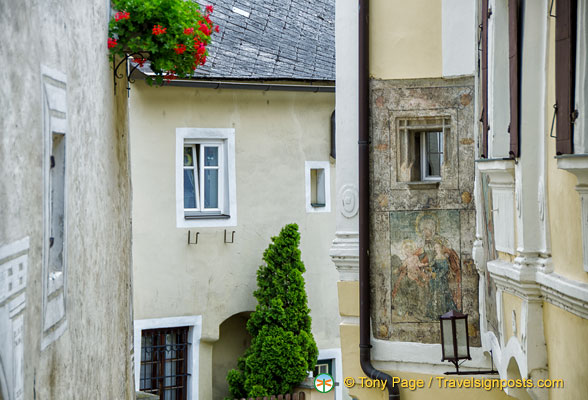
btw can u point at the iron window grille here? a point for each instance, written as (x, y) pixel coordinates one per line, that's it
(164, 362)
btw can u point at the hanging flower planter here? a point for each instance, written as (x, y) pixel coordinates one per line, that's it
(171, 35)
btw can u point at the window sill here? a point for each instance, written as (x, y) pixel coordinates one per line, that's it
(207, 216)
(422, 185)
(576, 164)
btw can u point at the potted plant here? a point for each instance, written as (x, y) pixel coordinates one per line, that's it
(172, 35)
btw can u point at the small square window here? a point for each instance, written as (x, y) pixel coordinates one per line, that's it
(318, 197)
(323, 367)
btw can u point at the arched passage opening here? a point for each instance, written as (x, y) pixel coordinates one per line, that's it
(232, 342)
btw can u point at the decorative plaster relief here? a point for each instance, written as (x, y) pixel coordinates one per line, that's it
(13, 281)
(345, 255)
(349, 198)
(533, 281)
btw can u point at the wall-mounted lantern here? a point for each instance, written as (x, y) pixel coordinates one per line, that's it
(455, 342)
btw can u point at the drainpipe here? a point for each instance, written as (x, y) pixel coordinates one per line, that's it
(364, 208)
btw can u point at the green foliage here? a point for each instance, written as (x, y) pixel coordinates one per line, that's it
(282, 349)
(171, 34)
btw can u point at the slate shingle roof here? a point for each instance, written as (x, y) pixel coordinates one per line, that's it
(280, 39)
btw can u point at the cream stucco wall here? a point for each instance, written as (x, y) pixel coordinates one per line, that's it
(565, 336)
(405, 39)
(563, 200)
(275, 133)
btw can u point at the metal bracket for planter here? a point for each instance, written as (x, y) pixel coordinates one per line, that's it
(115, 72)
(195, 238)
(232, 237)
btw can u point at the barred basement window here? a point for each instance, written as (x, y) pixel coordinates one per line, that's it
(164, 362)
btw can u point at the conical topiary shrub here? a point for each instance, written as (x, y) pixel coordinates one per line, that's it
(282, 348)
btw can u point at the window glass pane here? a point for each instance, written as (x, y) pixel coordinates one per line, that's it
(211, 188)
(434, 165)
(211, 156)
(188, 157)
(189, 189)
(433, 142)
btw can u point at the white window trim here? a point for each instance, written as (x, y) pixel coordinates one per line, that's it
(326, 166)
(194, 323)
(498, 82)
(198, 135)
(424, 151)
(54, 101)
(335, 355)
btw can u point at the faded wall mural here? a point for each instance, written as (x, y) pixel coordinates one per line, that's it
(422, 230)
(425, 265)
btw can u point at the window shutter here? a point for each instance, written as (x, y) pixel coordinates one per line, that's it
(484, 68)
(514, 62)
(565, 63)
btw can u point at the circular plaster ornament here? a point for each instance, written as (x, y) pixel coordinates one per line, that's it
(349, 200)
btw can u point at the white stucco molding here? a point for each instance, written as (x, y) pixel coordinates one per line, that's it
(194, 323)
(526, 282)
(422, 358)
(502, 182)
(531, 279)
(577, 164)
(345, 255)
(13, 283)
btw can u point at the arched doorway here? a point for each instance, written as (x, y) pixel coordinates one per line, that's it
(232, 342)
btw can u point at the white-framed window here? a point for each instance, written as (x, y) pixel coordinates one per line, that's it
(318, 186)
(167, 334)
(205, 177)
(431, 155)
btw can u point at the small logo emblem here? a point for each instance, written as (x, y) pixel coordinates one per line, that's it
(324, 383)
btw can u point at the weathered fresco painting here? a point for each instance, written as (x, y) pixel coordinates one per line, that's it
(425, 265)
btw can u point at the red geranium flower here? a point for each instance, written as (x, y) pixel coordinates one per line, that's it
(158, 30)
(180, 48)
(209, 9)
(188, 31)
(201, 50)
(121, 15)
(140, 61)
(204, 29)
(111, 43)
(216, 29)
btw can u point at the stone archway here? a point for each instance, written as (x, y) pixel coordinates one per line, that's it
(232, 342)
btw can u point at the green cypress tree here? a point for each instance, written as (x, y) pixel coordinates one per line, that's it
(282, 347)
